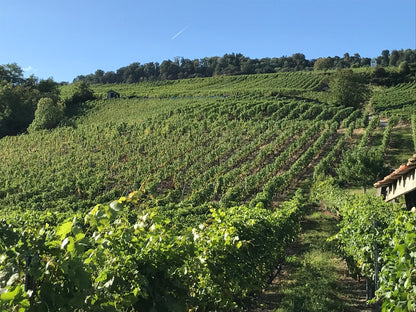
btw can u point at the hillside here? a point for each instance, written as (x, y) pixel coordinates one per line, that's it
(184, 147)
(190, 139)
(201, 140)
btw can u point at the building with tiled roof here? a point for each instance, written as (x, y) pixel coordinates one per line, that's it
(400, 182)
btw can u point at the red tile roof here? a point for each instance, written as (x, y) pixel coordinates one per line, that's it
(402, 170)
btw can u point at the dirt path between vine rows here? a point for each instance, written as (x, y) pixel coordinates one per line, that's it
(314, 277)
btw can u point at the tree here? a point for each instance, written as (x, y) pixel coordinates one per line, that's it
(323, 63)
(19, 98)
(169, 70)
(17, 108)
(404, 68)
(187, 68)
(99, 74)
(299, 60)
(82, 94)
(394, 58)
(379, 72)
(347, 88)
(47, 115)
(11, 73)
(49, 88)
(361, 166)
(385, 58)
(110, 77)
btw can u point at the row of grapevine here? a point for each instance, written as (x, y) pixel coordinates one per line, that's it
(369, 226)
(396, 100)
(217, 148)
(387, 132)
(231, 85)
(112, 259)
(326, 165)
(414, 131)
(253, 182)
(192, 151)
(278, 183)
(373, 124)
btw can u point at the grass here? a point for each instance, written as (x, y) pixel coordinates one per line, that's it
(313, 287)
(314, 281)
(359, 190)
(314, 278)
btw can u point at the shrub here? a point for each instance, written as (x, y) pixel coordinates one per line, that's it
(47, 115)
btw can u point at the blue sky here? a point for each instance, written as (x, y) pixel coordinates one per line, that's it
(64, 39)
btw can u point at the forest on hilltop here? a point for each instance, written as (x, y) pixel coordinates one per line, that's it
(238, 64)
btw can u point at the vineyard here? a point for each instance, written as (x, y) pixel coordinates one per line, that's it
(180, 195)
(396, 100)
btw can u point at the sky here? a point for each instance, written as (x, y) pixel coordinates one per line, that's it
(64, 39)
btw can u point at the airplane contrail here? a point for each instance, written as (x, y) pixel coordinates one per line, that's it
(179, 32)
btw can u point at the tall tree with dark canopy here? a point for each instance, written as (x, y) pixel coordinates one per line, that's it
(19, 97)
(11, 73)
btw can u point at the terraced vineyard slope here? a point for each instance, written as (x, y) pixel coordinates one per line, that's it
(206, 172)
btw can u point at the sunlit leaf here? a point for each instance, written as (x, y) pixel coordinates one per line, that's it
(10, 294)
(64, 229)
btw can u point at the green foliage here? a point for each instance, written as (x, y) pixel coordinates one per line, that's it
(284, 83)
(323, 63)
(414, 131)
(173, 149)
(398, 100)
(19, 97)
(325, 166)
(397, 278)
(115, 260)
(47, 115)
(404, 68)
(81, 94)
(387, 132)
(17, 107)
(11, 73)
(49, 88)
(348, 88)
(358, 232)
(371, 126)
(237, 64)
(364, 164)
(197, 151)
(361, 166)
(378, 72)
(368, 222)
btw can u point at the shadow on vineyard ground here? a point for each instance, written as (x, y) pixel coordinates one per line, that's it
(314, 278)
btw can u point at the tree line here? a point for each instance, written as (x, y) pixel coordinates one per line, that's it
(238, 64)
(29, 104)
